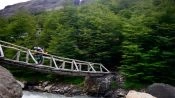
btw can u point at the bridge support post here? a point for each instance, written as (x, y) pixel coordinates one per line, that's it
(36, 62)
(1, 52)
(27, 57)
(18, 55)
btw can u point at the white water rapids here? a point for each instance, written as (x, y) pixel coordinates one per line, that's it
(27, 94)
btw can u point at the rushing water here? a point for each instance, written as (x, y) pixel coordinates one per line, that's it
(27, 94)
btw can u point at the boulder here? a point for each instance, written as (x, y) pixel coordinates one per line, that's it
(9, 87)
(98, 85)
(161, 90)
(135, 94)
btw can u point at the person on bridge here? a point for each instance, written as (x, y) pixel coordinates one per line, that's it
(39, 54)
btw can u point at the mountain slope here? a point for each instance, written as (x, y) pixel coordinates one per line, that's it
(33, 6)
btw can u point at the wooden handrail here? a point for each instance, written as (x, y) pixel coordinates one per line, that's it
(76, 65)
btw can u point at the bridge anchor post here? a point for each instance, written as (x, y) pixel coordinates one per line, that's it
(1, 52)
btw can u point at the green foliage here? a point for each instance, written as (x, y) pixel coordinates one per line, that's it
(133, 85)
(19, 28)
(114, 85)
(71, 80)
(3, 28)
(148, 52)
(135, 35)
(85, 34)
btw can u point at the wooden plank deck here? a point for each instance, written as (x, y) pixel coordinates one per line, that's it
(47, 69)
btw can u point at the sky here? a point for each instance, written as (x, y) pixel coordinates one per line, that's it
(4, 3)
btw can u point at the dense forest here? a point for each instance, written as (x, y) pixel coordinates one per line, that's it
(133, 37)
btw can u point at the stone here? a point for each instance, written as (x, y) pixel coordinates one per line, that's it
(135, 94)
(9, 87)
(98, 85)
(76, 92)
(68, 94)
(109, 94)
(66, 88)
(37, 88)
(119, 93)
(45, 83)
(47, 88)
(161, 90)
(20, 83)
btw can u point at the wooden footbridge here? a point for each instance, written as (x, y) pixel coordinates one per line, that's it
(11, 54)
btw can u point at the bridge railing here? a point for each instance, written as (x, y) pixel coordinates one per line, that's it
(25, 55)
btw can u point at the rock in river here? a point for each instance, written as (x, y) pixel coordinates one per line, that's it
(135, 94)
(161, 90)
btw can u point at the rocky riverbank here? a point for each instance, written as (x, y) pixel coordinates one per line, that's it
(56, 88)
(156, 90)
(108, 86)
(9, 88)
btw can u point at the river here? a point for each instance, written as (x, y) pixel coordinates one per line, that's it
(27, 94)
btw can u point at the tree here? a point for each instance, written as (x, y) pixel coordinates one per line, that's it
(22, 29)
(3, 31)
(147, 48)
(85, 34)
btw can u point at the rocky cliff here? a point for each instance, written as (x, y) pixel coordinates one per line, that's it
(36, 6)
(33, 6)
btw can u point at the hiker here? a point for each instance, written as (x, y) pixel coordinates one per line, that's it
(39, 55)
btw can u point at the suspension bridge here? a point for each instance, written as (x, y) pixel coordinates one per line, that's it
(11, 54)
